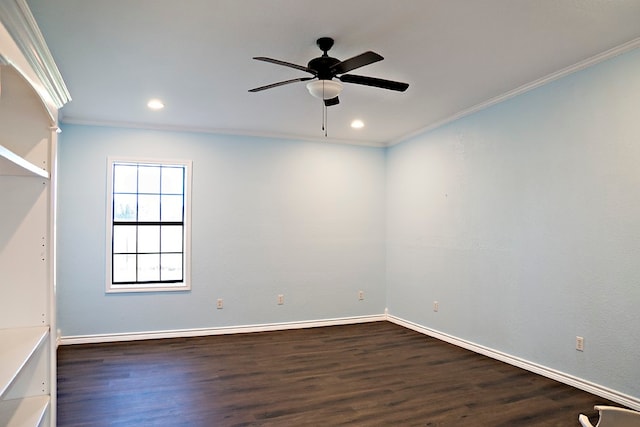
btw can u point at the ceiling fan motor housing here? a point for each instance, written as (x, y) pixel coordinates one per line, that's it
(322, 66)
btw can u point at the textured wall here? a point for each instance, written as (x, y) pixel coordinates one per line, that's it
(523, 222)
(269, 217)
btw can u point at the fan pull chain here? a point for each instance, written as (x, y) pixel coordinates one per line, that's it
(324, 119)
(324, 112)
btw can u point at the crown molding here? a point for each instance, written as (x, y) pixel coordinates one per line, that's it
(18, 21)
(64, 119)
(589, 62)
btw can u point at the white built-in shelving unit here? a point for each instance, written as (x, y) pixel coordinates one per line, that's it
(12, 164)
(18, 347)
(31, 92)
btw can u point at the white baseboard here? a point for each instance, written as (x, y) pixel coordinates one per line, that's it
(596, 389)
(180, 333)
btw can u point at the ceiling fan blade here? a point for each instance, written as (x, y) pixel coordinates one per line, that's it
(286, 82)
(373, 81)
(283, 63)
(332, 101)
(356, 62)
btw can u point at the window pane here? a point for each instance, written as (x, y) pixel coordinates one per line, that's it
(172, 180)
(148, 226)
(124, 207)
(149, 179)
(172, 238)
(171, 267)
(171, 208)
(124, 268)
(149, 208)
(124, 239)
(148, 268)
(148, 238)
(125, 178)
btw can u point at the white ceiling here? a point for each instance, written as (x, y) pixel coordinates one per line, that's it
(196, 55)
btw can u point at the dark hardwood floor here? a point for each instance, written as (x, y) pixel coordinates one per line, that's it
(373, 374)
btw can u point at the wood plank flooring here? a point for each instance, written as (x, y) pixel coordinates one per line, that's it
(373, 374)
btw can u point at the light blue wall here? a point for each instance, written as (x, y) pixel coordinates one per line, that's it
(523, 222)
(269, 217)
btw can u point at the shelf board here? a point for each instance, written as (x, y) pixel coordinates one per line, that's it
(12, 164)
(16, 347)
(27, 412)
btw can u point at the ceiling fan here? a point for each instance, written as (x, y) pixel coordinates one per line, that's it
(325, 68)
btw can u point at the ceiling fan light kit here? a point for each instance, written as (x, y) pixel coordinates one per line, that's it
(324, 89)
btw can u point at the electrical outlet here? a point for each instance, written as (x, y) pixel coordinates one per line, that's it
(280, 299)
(219, 304)
(579, 343)
(360, 295)
(436, 306)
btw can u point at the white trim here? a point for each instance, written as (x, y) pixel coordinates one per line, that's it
(215, 131)
(222, 330)
(52, 273)
(598, 390)
(183, 286)
(22, 26)
(589, 62)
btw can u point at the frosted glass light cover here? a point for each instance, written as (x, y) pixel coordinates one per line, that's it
(324, 89)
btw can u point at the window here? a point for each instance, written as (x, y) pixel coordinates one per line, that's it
(148, 230)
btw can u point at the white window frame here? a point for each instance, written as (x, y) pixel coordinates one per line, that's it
(185, 284)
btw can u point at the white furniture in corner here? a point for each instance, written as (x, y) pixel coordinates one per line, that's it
(31, 92)
(611, 416)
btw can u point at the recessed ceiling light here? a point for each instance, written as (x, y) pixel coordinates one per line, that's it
(155, 104)
(357, 124)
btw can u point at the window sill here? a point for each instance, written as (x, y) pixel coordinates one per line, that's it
(152, 287)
